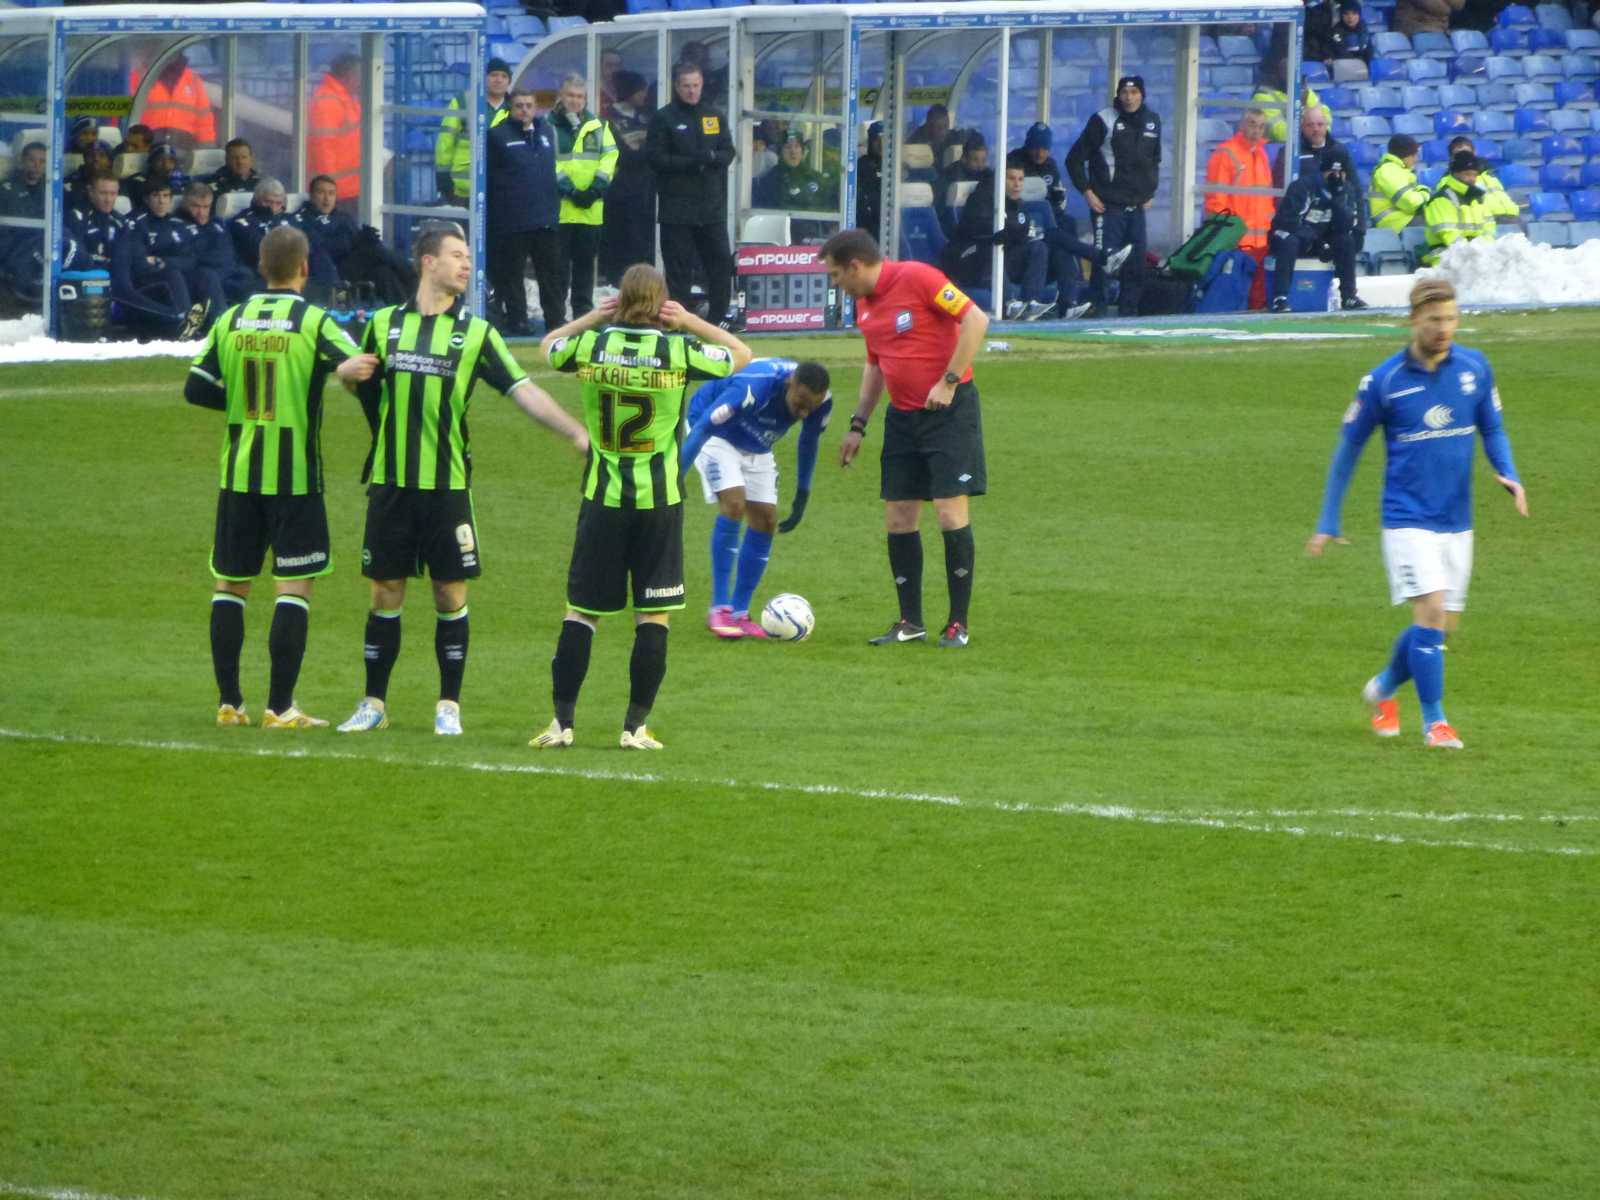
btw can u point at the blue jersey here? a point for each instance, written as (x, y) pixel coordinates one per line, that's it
(749, 411)
(1429, 419)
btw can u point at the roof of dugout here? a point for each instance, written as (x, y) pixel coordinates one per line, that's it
(96, 25)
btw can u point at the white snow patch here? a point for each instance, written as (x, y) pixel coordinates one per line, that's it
(1513, 270)
(23, 341)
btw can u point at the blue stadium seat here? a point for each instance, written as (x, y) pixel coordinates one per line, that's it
(1530, 122)
(529, 29)
(1240, 77)
(1378, 101)
(1432, 45)
(1469, 41)
(1414, 238)
(1436, 150)
(1535, 95)
(1573, 94)
(1416, 124)
(1552, 16)
(1562, 148)
(1426, 70)
(1559, 177)
(689, 5)
(1381, 250)
(1591, 145)
(1449, 122)
(1380, 70)
(1520, 179)
(1585, 231)
(1540, 68)
(1581, 67)
(1313, 73)
(1469, 70)
(647, 6)
(1370, 127)
(1547, 41)
(1583, 40)
(1523, 150)
(1586, 204)
(1549, 233)
(1501, 68)
(1366, 154)
(1501, 97)
(1392, 45)
(1550, 206)
(1511, 43)
(1455, 96)
(1340, 99)
(1419, 102)
(1492, 122)
(1238, 50)
(1489, 149)
(512, 52)
(1212, 130)
(1515, 16)
(1594, 119)
(559, 23)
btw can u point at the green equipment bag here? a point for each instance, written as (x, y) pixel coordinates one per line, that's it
(1219, 233)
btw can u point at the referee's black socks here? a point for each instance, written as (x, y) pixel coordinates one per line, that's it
(227, 643)
(569, 666)
(958, 557)
(286, 643)
(646, 669)
(450, 647)
(905, 564)
(380, 648)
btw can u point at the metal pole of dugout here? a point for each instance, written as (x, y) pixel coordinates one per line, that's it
(61, 32)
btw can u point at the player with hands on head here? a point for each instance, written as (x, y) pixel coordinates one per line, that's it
(733, 425)
(635, 357)
(1430, 400)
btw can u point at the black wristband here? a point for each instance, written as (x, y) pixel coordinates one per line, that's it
(858, 425)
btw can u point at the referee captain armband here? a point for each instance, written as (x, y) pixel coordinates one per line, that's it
(858, 425)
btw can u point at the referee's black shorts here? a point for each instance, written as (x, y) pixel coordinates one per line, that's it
(933, 454)
(616, 546)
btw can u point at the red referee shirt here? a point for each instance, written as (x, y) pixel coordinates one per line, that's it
(911, 323)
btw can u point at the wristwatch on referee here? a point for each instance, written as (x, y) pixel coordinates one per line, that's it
(951, 378)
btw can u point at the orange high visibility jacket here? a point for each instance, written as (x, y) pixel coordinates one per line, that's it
(1242, 164)
(184, 106)
(333, 136)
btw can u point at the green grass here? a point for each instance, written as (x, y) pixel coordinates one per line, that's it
(1120, 901)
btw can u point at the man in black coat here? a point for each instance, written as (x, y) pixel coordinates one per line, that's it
(1116, 164)
(869, 182)
(1026, 259)
(213, 246)
(690, 150)
(524, 210)
(1317, 217)
(626, 238)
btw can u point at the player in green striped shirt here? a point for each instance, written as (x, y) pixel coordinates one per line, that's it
(419, 499)
(264, 364)
(635, 356)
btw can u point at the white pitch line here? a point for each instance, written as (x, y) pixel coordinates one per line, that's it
(38, 1193)
(1449, 818)
(1104, 812)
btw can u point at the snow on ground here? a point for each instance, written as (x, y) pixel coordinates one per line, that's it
(23, 341)
(1513, 270)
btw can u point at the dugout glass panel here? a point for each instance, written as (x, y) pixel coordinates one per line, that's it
(544, 72)
(708, 49)
(24, 68)
(1234, 63)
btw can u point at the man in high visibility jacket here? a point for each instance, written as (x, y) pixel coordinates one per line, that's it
(1500, 207)
(586, 163)
(1457, 213)
(1241, 161)
(1272, 97)
(1395, 196)
(452, 153)
(177, 106)
(333, 127)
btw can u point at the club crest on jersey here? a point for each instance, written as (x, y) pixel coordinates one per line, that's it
(1438, 416)
(458, 340)
(902, 321)
(1469, 383)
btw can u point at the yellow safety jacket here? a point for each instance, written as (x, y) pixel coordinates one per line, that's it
(586, 163)
(1499, 202)
(1452, 218)
(453, 151)
(1273, 102)
(1395, 196)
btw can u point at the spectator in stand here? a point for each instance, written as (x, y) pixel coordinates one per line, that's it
(524, 210)
(1395, 196)
(138, 140)
(1499, 204)
(160, 163)
(1412, 17)
(452, 152)
(869, 182)
(1456, 212)
(1272, 98)
(1026, 257)
(626, 239)
(586, 163)
(1350, 37)
(1320, 18)
(249, 227)
(238, 170)
(1317, 148)
(1241, 162)
(333, 126)
(1116, 164)
(213, 247)
(153, 268)
(690, 150)
(177, 107)
(1317, 217)
(97, 160)
(934, 132)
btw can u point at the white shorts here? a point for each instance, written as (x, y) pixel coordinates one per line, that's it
(721, 467)
(1420, 562)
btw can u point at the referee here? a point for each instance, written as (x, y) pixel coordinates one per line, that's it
(922, 333)
(432, 352)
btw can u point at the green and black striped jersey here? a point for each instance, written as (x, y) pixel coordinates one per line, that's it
(269, 357)
(417, 401)
(633, 388)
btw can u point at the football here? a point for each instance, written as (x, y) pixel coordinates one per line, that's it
(788, 618)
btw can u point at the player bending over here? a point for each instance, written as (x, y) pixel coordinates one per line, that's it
(733, 425)
(1430, 399)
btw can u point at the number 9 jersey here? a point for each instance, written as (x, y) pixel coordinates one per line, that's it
(634, 382)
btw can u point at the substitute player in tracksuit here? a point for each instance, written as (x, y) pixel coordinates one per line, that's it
(1116, 164)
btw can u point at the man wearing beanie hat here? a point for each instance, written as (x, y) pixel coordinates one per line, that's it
(1395, 196)
(1062, 238)
(626, 237)
(1317, 218)
(452, 152)
(1350, 37)
(1116, 164)
(1457, 212)
(869, 181)
(1501, 207)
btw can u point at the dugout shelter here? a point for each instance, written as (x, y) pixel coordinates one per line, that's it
(263, 68)
(830, 70)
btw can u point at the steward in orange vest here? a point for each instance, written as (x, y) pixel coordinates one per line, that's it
(177, 104)
(333, 127)
(1242, 161)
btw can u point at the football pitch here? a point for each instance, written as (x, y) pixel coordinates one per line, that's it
(1122, 900)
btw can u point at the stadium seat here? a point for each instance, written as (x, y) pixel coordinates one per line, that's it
(1530, 122)
(231, 204)
(1469, 71)
(1500, 68)
(920, 235)
(1559, 177)
(1586, 41)
(1547, 41)
(1512, 43)
(1489, 149)
(1520, 179)
(1566, 120)
(1212, 130)
(1414, 239)
(1340, 99)
(1455, 96)
(1589, 175)
(1552, 16)
(1371, 128)
(1435, 151)
(1239, 77)
(1209, 53)
(1381, 70)
(1448, 122)
(1419, 125)
(1497, 123)
(1585, 231)
(1392, 45)
(1575, 94)
(647, 6)
(557, 24)
(1585, 204)
(1313, 73)
(1426, 70)
(1515, 16)
(1432, 45)
(1469, 41)
(1420, 102)
(1580, 67)
(1382, 251)
(1549, 233)
(690, 5)
(1238, 50)
(1540, 68)
(1381, 101)
(1501, 97)
(1550, 206)
(1591, 145)
(1523, 150)
(1535, 95)
(1594, 119)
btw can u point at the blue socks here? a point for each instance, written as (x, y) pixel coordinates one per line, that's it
(753, 557)
(1394, 676)
(1426, 660)
(724, 550)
